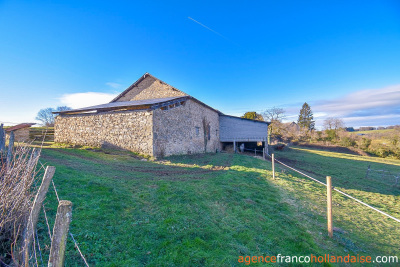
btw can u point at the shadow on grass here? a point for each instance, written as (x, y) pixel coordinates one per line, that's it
(186, 210)
(347, 173)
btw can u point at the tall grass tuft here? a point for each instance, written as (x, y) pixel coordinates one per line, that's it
(17, 190)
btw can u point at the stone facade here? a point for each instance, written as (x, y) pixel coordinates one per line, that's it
(131, 130)
(158, 133)
(20, 135)
(182, 127)
(180, 130)
(150, 88)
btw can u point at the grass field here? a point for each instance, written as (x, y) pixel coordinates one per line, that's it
(210, 209)
(374, 131)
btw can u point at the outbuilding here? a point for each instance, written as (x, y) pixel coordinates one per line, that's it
(21, 131)
(154, 118)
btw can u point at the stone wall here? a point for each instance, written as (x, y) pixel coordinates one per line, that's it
(20, 135)
(131, 130)
(151, 88)
(180, 130)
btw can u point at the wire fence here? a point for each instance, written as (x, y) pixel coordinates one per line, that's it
(339, 191)
(49, 229)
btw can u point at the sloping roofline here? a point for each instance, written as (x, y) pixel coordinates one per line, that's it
(139, 81)
(124, 104)
(153, 103)
(235, 117)
(19, 126)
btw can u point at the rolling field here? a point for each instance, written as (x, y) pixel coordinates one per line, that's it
(210, 209)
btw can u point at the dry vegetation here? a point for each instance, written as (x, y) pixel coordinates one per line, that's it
(16, 191)
(381, 143)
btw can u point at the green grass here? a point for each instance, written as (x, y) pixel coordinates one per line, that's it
(210, 209)
(376, 232)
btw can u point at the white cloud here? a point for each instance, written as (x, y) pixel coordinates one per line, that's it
(80, 100)
(113, 85)
(372, 107)
(364, 101)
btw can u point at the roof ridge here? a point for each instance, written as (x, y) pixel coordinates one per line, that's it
(139, 81)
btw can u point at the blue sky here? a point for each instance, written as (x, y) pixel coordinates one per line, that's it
(342, 57)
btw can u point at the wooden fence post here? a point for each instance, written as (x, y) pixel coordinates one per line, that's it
(329, 204)
(2, 139)
(10, 149)
(33, 217)
(273, 165)
(369, 168)
(60, 234)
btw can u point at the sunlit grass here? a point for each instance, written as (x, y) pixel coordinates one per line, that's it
(363, 226)
(208, 209)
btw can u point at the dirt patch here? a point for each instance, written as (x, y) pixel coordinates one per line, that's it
(158, 172)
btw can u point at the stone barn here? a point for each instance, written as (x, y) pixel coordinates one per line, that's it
(153, 118)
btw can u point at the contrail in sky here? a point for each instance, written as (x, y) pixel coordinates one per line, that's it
(209, 29)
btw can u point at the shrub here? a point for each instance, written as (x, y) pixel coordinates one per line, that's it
(347, 142)
(364, 143)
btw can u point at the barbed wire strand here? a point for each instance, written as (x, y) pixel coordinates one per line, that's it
(55, 190)
(34, 248)
(341, 192)
(40, 249)
(73, 239)
(47, 221)
(77, 247)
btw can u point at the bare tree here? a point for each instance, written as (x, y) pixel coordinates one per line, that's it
(274, 114)
(63, 108)
(46, 115)
(333, 123)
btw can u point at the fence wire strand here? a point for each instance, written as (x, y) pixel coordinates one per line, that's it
(47, 221)
(340, 192)
(77, 247)
(73, 239)
(48, 226)
(40, 250)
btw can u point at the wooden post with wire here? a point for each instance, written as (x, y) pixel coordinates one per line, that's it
(10, 149)
(60, 234)
(329, 204)
(273, 165)
(34, 215)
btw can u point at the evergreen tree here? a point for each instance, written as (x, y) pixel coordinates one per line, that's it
(306, 119)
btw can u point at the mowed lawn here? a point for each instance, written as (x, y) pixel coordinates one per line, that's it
(206, 210)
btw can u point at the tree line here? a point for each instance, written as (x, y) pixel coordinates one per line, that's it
(334, 132)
